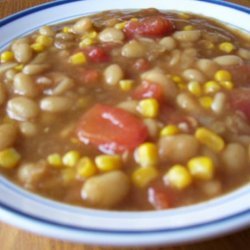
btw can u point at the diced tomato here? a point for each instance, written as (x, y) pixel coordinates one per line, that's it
(111, 129)
(151, 26)
(97, 54)
(149, 90)
(241, 74)
(240, 100)
(159, 197)
(141, 65)
(89, 77)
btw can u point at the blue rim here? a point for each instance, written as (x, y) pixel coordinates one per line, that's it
(39, 220)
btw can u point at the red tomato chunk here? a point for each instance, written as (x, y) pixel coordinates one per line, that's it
(111, 129)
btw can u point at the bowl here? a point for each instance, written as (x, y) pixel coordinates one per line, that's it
(28, 211)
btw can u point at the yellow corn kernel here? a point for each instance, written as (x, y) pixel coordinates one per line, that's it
(188, 27)
(86, 167)
(178, 177)
(207, 44)
(211, 87)
(86, 42)
(206, 101)
(9, 158)
(227, 85)
(78, 58)
(194, 88)
(226, 47)
(108, 162)
(7, 56)
(222, 75)
(55, 160)
(126, 85)
(147, 154)
(201, 167)
(38, 47)
(120, 26)
(71, 158)
(148, 107)
(141, 177)
(68, 174)
(177, 79)
(210, 139)
(92, 34)
(19, 67)
(184, 15)
(134, 19)
(46, 41)
(169, 130)
(66, 29)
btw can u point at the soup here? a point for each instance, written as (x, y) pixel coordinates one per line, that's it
(127, 110)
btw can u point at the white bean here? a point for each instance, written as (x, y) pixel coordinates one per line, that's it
(8, 134)
(6, 66)
(40, 58)
(130, 106)
(211, 188)
(168, 43)
(56, 104)
(22, 52)
(111, 35)
(188, 103)
(99, 190)
(3, 94)
(153, 127)
(46, 31)
(157, 76)
(193, 75)
(234, 158)
(28, 129)
(24, 85)
(228, 60)
(244, 53)
(113, 74)
(22, 108)
(34, 69)
(10, 74)
(178, 148)
(207, 66)
(133, 49)
(187, 35)
(219, 102)
(175, 57)
(82, 25)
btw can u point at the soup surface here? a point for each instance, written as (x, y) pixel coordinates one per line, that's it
(127, 110)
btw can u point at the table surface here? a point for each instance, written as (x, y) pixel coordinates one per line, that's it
(12, 238)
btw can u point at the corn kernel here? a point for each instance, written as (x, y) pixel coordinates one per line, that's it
(7, 56)
(184, 15)
(227, 85)
(169, 130)
(38, 47)
(46, 41)
(194, 88)
(55, 160)
(207, 44)
(206, 101)
(226, 47)
(149, 107)
(134, 19)
(71, 158)
(78, 59)
(86, 42)
(141, 177)
(177, 79)
(68, 175)
(223, 75)
(92, 34)
(126, 85)
(19, 67)
(201, 168)
(120, 26)
(210, 139)
(108, 162)
(211, 87)
(66, 29)
(86, 167)
(188, 27)
(9, 158)
(181, 85)
(178, 177)
(147, 154)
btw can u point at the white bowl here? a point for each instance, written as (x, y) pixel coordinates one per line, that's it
(174, 226)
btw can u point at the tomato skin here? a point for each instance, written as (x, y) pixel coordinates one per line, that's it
(240, 100)
(111, 129)
(149, 90)
(151, 26)
(97, 55)
(141, 65)
(241, 74)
